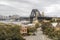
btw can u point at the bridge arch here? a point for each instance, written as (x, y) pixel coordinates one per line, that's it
(34, 14)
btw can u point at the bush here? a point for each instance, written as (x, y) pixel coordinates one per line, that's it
(37, 25)
(32, 29)
(50, 31)
(10, 32)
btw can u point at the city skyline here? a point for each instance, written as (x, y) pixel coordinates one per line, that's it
(24, 7)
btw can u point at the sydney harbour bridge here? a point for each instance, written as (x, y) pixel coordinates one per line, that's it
(36, 14)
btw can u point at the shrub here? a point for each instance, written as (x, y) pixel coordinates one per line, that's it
(50, 31)
(31, 30)
(37, 25)
(10, 32)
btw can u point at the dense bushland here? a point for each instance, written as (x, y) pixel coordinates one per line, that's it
(50, 31)
(10, 32)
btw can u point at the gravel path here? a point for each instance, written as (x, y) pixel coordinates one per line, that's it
(39, 36)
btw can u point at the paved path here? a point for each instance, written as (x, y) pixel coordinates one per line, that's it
(39, 36)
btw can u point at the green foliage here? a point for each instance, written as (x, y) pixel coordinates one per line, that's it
(50, 31)
(33, 29)
(37, 25)
(10, 32)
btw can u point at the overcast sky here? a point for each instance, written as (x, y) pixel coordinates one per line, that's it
(24, 7)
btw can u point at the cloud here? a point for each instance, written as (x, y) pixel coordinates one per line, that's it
(52, 10)
(24, 7)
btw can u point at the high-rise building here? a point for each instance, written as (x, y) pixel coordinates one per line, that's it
(42, 14)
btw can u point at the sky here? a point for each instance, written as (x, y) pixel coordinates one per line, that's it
(24, 7)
